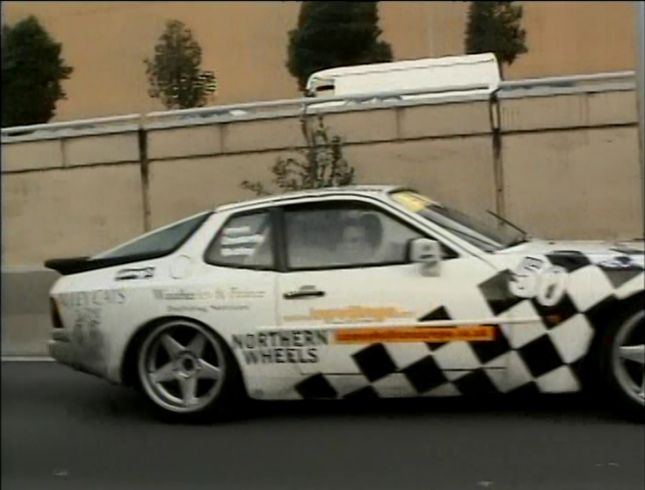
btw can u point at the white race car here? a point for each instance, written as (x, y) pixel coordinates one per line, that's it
(352, 292)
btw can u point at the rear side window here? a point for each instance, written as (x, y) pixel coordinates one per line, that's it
(158, 243)
(244, 241)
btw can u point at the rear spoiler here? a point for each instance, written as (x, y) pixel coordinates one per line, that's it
(76, 265)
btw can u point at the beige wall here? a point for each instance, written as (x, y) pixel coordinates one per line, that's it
(68, 212)
(563, 38)
(106, 43)
(456, 170)
(212, 181)
(436, 166)
(569, 169)
(566, 38)
(245, 44)
(555, 176)
(413, 146)
(570, 180)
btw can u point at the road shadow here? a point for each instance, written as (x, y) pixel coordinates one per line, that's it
(92, 399)
(122, 403)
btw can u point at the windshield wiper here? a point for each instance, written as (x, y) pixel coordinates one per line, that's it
(525, 235)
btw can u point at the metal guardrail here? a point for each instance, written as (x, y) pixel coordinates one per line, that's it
(79, 123)
(306, 101)
(568, 81)
(257, 110)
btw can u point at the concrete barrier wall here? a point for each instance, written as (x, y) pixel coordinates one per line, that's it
(204, 183)
(70, 212)
(581, 184)
(444, 168)
(568, 111)
(414, 146)
(32, 155)
(561, 165)
(25, 312)
(571, 164)
(564, 165)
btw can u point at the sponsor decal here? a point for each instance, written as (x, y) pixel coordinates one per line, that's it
(140, 273)
(280, 347)
(99, 297)
(237, 293)
(187, 309)
(187, 295)
(204, 309)
(229, 307)
(468, 333)
(85, 330)
(222, 294)
(352, 314)
(237, 252)
(238, 236)
(618, 262)
(535, 278)
(237, 240)
(412, 201)
(237, 230)
(217, 299)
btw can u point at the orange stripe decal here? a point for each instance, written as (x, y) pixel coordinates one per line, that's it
(416, 334)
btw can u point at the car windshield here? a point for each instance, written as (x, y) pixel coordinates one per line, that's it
(489, 233)
(157, 242)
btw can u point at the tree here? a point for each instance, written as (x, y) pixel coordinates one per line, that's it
(332, 34)
(323, 164)
(32, 72)
(495, 27)
(174, 73)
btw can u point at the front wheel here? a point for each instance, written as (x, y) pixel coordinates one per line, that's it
(622, 363)
(187, 371)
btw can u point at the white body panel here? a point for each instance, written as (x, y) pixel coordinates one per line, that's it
(540, 308)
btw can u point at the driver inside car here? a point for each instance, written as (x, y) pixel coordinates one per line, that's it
(361, 238)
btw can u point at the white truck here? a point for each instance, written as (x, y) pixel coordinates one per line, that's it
(451, 75)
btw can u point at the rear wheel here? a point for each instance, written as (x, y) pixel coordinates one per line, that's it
(188, 372)
(622, 363)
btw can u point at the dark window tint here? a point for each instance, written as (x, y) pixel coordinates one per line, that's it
(159, 242)
(487, 232)
(344, 235)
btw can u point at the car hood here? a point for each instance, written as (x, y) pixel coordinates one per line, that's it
(630, 251)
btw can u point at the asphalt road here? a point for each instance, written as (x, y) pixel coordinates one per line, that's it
(67, 430)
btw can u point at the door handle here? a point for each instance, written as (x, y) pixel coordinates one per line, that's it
(304, 292)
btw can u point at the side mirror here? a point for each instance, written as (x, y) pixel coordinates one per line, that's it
(427, 253)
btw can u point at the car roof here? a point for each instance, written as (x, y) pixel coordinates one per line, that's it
(350, 190)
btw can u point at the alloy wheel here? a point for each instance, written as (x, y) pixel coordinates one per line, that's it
(182, 367)
(628, 357)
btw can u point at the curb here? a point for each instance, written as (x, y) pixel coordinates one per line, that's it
(27, 359)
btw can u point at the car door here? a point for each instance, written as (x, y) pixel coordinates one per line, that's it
(239, 278)
(360, 307)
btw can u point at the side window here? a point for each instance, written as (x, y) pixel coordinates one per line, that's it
(344, 235)
(158, 242)
(244, 241)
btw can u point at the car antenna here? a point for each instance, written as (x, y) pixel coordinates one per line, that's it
(507, 222)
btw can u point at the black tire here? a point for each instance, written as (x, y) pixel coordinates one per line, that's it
(226, 401)
(615, 377)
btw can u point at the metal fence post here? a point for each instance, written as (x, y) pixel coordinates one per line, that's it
(639, 10)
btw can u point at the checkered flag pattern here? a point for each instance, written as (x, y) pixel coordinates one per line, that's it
(541, 356)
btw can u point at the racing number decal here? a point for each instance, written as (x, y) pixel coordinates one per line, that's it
(534, 278)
